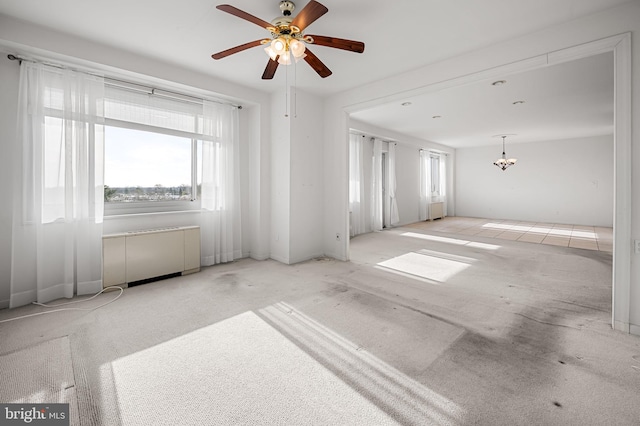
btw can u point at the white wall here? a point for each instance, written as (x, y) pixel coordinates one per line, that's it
(296, 179)
(259, 195)
(567, 181)
(244, 151)
(407, 183)
(8, 115)
(307, 188)
(280, 181)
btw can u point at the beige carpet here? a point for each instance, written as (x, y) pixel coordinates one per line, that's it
(406, 400)
(418, 328)
(41, 373)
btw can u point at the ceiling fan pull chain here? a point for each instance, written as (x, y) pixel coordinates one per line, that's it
(295, 89)
(286, 91)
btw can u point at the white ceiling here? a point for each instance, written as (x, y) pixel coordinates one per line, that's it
(399, 35)
(565, 101)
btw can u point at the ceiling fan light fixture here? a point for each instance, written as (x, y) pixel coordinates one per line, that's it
(272, 53)
(285, 59)
(297, 48)
(279, 45)
(299, 58)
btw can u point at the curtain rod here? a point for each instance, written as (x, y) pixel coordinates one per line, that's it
(434, 151)
(371, 137)
(113, 81)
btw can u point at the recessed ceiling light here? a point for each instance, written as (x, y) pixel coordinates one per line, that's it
(437, 116)
(405, 103)
(518, 102)
(499, 82)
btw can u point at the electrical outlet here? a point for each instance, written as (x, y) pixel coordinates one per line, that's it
(338, 237)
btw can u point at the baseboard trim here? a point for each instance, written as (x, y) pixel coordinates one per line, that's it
(264, 256)
(23, 298)
(90, 287)
(622, 326)
(305, 258)
(280, 259)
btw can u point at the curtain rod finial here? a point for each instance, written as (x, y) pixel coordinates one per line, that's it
(14, 58)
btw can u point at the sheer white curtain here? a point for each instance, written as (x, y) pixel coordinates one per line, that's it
(376, 186)
(356, 185)
(443, 182)
(58, 181)
(129, 105)
(220, 197)
(425, 184)
(393, 217)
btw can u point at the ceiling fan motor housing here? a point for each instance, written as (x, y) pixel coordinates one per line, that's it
(287, 7)
(282, 22)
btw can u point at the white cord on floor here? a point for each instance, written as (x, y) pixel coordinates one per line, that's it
(69, 303)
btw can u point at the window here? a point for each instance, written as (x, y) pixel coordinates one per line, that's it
(143, 166)
(154, 147)
(152, 152)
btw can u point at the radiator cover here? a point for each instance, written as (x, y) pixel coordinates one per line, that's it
(436, 210)
(140, 255)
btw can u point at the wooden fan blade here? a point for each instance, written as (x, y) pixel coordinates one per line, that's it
(338, 43)
(236, 49)
(271, 68)
(317, 64)
(312, 11)
(243, 15)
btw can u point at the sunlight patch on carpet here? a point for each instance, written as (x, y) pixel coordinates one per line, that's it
(238, 371)
(431, 267)
(455, 241)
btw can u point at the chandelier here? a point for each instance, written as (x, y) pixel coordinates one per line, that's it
(503, 162)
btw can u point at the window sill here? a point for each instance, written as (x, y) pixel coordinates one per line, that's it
(156, 213)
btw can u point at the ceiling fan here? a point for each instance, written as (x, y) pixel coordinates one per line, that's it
(287, 41)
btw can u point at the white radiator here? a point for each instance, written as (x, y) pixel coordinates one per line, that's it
(133, 256)
(436, 210)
